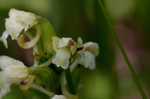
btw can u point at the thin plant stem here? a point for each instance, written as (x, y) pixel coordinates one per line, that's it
(69, 81)
(50, 94)
(132, 71)
(64, 88)
(35, 66)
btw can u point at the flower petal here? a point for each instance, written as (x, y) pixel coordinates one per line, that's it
(62, 58)
(13, 70)
(13, 28)
(86, 59)
(25, 19)
(4, 38)
(64, 42)
(4, 90)
(18, 22)
(92, 47)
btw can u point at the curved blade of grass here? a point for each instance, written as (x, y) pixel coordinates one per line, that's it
(132, 71)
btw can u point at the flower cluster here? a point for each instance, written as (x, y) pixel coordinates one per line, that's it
(66, 48)
(66, 54)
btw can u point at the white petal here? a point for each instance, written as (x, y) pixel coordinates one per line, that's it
(59, 97)
(92, 47)
(6, 61)
(4, 90)
(13, 71)
(87, 59)
(62, 58)
(26, 19)
(64, 42)
(69, 43)
(4, 38)
(15, 74)
(19, 21)
(13, 28)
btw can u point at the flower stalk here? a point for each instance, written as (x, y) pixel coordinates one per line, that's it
(50, 94)
(70, 82)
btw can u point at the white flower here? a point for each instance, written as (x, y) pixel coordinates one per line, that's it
(12, 71)
(86, 55)
(17, 22)
(59, 97)
(64, 48)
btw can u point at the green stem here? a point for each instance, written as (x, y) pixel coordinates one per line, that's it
(132, 71)
(69, 81)
(50, 94)
(64, 89)
(34, 67)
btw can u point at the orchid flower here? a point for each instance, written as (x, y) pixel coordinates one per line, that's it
(64, 48)
(18, 23)
(86, 54)
(12, 71)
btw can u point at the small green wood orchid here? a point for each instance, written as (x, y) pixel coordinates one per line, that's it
(54, 56)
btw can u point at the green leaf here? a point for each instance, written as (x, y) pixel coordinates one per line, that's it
(45, 45)
(16, 93)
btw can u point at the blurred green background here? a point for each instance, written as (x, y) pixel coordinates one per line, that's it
(84, 18)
